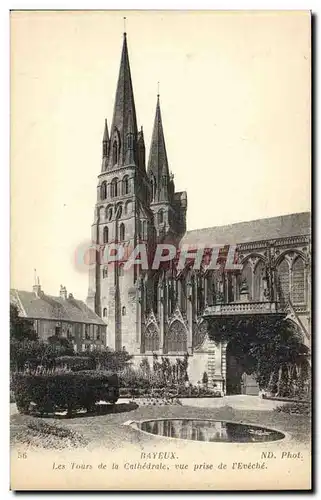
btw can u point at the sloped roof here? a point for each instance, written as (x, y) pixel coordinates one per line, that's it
(256, 230)
(55, 308)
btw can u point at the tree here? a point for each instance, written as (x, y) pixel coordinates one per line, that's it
(62, 344)
(20, 328)
(110, 360)
(270, 349)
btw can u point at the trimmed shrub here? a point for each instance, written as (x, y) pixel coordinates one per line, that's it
(68, 391)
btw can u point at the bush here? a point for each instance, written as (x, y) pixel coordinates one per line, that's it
(76, 363)
(41, 434)
(67, 390)
(295, 409)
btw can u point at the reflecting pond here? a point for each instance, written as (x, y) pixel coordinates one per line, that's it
(210, 430)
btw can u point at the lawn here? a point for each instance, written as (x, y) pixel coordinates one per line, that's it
(104, 429)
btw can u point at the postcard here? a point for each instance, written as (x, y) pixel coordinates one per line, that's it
(160, 301)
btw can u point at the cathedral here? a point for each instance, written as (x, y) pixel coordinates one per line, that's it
(170, 311)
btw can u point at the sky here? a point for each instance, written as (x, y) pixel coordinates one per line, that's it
(235, 102)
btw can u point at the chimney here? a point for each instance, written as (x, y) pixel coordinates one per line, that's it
(63, 292)
(36, 287)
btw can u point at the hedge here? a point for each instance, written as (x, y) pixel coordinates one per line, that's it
(65, 391)
(173, 392)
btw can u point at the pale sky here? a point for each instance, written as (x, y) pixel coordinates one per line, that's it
(235, 102)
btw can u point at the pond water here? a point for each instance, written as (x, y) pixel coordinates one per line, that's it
(210, 430)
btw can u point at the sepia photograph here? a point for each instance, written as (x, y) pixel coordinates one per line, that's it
(160, 275)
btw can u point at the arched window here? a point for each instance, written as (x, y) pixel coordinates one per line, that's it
(125, 183)
(160, 217)
(283, 281)
(110, 213)
(101, 213)
(105, 312)
(122, 232)
(259, 278)
(128, 207)
(119, 210)
(114, 188)
(103, 190)
(105, 235)
(177, 338)
(115, 153)
(123, 311)
(151, 339)
(105, 272)
(298, 288)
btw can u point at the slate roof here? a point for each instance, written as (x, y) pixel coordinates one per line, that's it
(54, 308)
(283, 226)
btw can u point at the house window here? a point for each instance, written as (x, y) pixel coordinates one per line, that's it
(105, 312)
(105, 272)
(105, 234)
(123, 311)
(58, 331)
(122, 232)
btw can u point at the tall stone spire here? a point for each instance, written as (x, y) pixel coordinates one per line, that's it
(124, 114)
(158, 171)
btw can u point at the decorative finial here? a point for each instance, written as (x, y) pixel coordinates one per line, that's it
(35, 276)
(124, 26)
(157, 89)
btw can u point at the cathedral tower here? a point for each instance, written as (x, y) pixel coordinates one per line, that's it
(132, 207)
(122, 215)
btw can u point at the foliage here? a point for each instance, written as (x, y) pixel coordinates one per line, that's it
(32, 353)
(64, 390)
(52, 436)
(271, 350)
(75, 363)
(63, 343)
(20, 328)
(205, 378)
(295, 409)
(107, 359)
(169, 373)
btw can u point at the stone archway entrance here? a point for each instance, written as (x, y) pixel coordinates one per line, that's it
(237, 380)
